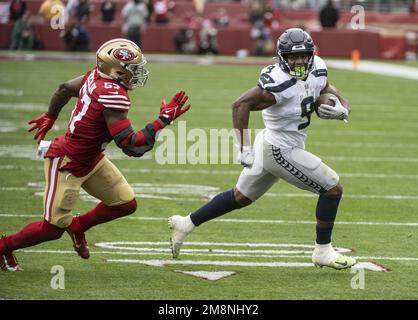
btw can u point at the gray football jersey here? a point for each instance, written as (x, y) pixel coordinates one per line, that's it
(287, 121)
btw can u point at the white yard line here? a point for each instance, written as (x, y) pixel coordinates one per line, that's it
(29, 152)
(199, 254)
(385, 69)
(360, 175)
(359, 223)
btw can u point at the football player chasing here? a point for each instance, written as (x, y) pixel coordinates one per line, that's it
(286, 93)
(76, 160)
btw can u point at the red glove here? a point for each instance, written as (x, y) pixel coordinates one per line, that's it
(173, 110)
(43, 124)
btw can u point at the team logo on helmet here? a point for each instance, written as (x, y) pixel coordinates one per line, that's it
(124, 54)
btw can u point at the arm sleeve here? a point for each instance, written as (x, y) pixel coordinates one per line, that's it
(134, 144)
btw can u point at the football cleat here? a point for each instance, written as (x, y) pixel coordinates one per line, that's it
(180, 228)
(331, 258)
(8, 262)
(80, 244)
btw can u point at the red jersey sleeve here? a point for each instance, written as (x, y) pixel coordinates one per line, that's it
(111, 95)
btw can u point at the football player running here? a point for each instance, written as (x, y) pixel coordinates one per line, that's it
(286, 92)
(76, 160)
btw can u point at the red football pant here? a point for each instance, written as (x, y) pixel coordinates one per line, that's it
(101, 214)
(34, 233)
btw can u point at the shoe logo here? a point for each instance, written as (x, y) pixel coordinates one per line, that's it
(342, 264)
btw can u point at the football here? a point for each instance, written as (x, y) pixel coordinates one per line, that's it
(323, 99)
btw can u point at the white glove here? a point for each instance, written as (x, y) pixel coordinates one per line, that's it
(337, 111)
(43, 148)
(246, 156)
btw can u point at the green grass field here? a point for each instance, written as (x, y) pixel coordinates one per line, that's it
(376, 155)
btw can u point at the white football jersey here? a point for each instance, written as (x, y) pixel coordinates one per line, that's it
(287, 121)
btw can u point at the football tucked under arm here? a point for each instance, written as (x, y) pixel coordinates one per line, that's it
(134, 144)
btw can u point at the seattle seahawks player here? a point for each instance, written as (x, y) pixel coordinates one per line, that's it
(286, 92)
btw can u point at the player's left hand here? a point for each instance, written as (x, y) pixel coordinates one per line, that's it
(337, 111)
(246, 156)
(171, 111)
(42, 124)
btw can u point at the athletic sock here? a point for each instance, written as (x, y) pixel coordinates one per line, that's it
(101, 214)
(30, 235)
(222, 203)
(323, 235)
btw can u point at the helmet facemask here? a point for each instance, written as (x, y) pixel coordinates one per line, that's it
(299, 70)
(139, 74)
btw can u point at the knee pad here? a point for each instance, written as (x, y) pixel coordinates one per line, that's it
(124, 209)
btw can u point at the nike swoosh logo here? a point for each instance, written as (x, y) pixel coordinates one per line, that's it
(342, 264)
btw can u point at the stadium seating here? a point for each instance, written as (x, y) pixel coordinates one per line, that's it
(372, 44)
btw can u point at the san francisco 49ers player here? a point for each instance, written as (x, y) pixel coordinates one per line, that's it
(76, 160)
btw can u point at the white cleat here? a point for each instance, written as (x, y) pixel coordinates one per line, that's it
(180, 228)
(328, 257)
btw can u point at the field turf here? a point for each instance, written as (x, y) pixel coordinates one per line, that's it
(376, 155)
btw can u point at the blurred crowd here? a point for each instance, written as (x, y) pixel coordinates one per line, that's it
(198, 32)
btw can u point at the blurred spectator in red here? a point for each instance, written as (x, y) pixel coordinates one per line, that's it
(162, 10)
(184, 42)
(221, 18)
(82, 10)
(22, 34)
(208, 38)
(193, 21)
(414, 6)
(271, 20)
(108, 9)
(17, 9)
(135, 14)
(329, 15)
(51, 8)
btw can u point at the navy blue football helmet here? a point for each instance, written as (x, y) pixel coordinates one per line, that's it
(295, 40)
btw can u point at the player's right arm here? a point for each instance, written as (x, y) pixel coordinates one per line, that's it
(254, 99)
(60, 98)
(63, 94)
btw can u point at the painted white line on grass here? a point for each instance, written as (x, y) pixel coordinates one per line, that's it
(360, 175)
(115, 244)
(214, 263)
(30, 151)
(23, 106)
(11, 92)
(365, 145)
(366, 223)
(363, 133)
(208, 275)
(152, 192)
(385, 69)
(351, 196)
(42, 251)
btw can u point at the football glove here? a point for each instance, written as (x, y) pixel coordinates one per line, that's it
(338, 112)
(42, 124)
(171, 111)
(245, 156)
